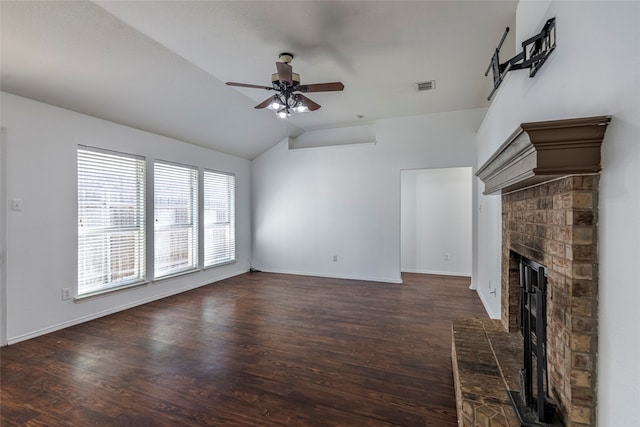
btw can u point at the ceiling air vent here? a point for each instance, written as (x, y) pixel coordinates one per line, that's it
(431, 84)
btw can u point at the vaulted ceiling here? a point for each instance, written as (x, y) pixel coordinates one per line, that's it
(160, 66)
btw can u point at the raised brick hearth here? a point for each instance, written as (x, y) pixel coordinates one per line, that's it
(486, 363)
(547, 175)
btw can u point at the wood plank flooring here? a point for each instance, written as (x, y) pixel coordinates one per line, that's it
(255, 350)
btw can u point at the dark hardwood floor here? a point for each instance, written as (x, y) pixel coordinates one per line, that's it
(254, 350)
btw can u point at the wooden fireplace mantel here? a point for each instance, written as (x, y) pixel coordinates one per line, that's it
(541, 151)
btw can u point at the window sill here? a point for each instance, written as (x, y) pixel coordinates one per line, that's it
(96, 294)
(180, 273)
(220, 264)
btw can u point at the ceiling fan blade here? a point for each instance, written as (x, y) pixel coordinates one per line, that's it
(265, 103)
(322, 87)
(248, 85)
(309, 103)
(284, 72)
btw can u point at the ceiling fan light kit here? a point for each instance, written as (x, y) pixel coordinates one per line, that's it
(288, 98)
(283, 107)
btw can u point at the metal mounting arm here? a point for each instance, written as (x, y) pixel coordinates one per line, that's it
(535, 52)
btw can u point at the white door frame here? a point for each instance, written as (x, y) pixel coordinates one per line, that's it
(3, 236)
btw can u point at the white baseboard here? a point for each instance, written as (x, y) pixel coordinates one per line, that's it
(394, 280)
(436, 272)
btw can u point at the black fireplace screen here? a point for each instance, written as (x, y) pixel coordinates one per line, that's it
(533, 404)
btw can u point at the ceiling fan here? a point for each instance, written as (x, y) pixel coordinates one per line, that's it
(286, 83)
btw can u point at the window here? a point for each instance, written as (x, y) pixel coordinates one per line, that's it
(111, 220)
(219, 218)
(176, 219)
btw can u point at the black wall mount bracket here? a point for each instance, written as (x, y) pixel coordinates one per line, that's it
(535, 51)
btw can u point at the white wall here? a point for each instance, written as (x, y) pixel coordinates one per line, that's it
(3, 237)
(435, 221)
(42, 238)
(595, 70)
(310, 205)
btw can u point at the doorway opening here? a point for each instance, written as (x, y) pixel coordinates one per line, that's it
(436, 234)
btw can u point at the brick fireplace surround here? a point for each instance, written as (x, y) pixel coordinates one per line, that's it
(552, 219)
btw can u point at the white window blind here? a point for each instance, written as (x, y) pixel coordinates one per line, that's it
(111, 220)
(176, 219)
(219, 218)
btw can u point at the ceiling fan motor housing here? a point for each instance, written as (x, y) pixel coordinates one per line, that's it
(286, 57)
(294, 76)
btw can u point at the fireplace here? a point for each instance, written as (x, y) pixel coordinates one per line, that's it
(547, 175)
(554, 224)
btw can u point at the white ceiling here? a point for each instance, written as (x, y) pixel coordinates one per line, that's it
(161, 65)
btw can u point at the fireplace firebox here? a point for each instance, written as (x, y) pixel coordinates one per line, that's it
(532, 404)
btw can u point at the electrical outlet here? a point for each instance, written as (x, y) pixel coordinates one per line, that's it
(16, 204)
(66, 293)
(335, 258)
(446, 256)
